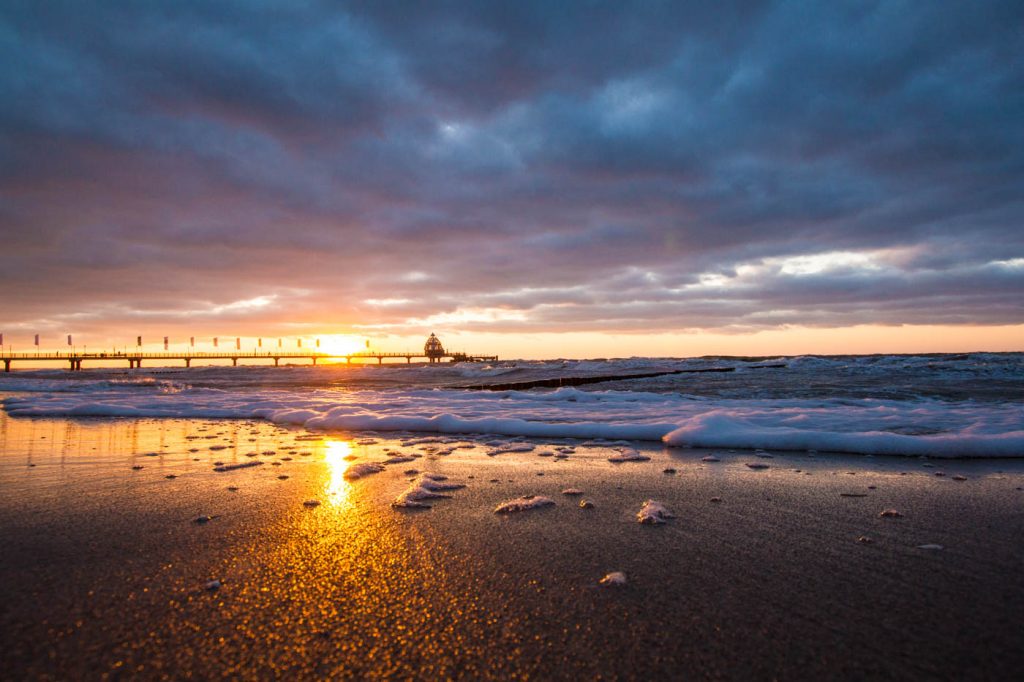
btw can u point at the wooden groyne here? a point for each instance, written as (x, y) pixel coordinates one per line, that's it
(559, 382)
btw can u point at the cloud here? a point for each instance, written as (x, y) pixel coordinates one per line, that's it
(536, 166)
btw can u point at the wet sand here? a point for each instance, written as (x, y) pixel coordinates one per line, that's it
(104, 571)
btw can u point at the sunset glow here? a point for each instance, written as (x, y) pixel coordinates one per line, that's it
(532, 340)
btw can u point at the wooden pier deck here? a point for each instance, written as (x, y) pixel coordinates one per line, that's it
(135, 359)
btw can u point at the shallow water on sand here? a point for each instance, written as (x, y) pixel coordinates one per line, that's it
(937, 405)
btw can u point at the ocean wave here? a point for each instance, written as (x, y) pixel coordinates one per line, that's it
(929, 427)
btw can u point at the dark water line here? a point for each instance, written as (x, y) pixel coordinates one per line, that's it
(559, 382)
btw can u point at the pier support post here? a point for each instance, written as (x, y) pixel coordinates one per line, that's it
(7, 365)
(408, 360)
(188, 362)
(314, 362)
(348, 360)
(380, 360)
(234, 362)
(276, 361)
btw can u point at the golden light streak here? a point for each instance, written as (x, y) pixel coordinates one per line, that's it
(336, 488)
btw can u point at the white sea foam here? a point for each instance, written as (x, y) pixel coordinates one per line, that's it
(654, 513)
(523, 504)
(613, 579)
(357, 471)
(425, 487)
(920, 426)
(628, 455)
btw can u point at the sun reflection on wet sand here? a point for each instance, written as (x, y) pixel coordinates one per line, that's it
(337, 488)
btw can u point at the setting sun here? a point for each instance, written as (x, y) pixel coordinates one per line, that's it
(342, 344)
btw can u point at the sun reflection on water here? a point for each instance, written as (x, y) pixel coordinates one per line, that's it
(337, 488)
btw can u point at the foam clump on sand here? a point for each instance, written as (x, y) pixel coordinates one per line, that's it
(654, 513)
(523, 504)
(425, 487)
(399, 459)
(572, 491)
(511, 447)
(890, 514)
(628, 455)
(358, 471)
(613, 579)
(232, 467)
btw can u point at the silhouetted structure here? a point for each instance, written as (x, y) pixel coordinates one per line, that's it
(433, 349)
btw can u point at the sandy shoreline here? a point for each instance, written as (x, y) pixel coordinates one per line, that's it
(104, 568)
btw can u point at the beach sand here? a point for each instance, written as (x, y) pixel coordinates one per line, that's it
(105, 571)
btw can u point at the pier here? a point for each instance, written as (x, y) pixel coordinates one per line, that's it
(135, 359)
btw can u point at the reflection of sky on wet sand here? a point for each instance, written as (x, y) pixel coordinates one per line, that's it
(336, 487)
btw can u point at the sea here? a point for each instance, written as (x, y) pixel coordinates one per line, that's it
(932, 405)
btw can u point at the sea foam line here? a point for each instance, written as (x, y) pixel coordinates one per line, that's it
(882, 427)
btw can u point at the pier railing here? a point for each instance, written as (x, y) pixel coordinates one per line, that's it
(75, 358)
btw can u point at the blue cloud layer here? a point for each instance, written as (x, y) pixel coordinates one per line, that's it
(630, 166)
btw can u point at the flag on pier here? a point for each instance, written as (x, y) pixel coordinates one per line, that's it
(215, 342)
(165, 343)
(259, 342)
(318, 343)
(1, 339)
(238, 343)
(69, 339)
(192, 341)
(300, 343)
(138, 341)
(37, 340)
(279, 341)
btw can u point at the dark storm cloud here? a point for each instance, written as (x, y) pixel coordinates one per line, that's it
(619, 166)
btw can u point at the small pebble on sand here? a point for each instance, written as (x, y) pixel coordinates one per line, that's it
(572, 491)
(586, 504)
(670, 470)
(282, 477)
(311, 503)
(864, 540)
(170, 476)
(930, 546)
(710, 458)
(137, 467)
(212, 586)
(716, 499)
(757, 465)
(890, 514)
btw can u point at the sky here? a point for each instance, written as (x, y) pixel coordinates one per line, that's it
(534, 179)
